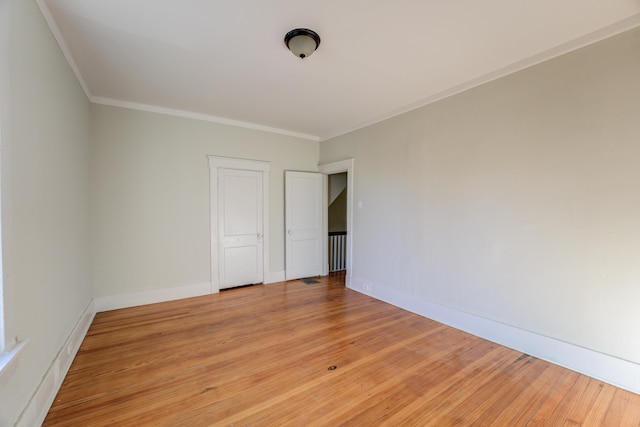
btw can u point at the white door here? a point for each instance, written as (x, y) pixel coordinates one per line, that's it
(240, 227)
(303, 224)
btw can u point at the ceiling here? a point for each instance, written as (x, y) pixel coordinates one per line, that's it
(225, 60)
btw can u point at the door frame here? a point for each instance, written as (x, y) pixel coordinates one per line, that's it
(347, 166)
(215, 163)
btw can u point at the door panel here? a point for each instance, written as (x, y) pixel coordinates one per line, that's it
(240, 202)
(240, 227)
(240, 265)
(303, 224)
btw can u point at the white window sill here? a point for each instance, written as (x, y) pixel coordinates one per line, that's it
(9, 361)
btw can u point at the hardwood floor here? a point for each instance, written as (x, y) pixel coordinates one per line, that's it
(263, 356)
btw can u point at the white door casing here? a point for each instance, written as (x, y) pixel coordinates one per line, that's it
(240, 227)
(303, 224)
(215, 165)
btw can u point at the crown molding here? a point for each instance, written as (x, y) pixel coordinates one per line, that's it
(588, 39)
(57, 35)
(580, 42)
(199, 116)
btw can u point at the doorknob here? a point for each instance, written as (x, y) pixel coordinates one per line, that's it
(259, 236)
(289, 232)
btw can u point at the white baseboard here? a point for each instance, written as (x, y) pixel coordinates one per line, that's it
(38, 407)
(115, 302)
(610, 369)
(274, 276)
(9, 361)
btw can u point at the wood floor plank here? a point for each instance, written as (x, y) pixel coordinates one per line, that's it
(427, 370)
(261, 356)
(598, 410)
(551, 401)
(392, 398)
(165, 362)
(324, 378)
(520, 411)
(624, 410)
(466, 380)
(496, 394)
(582, 401)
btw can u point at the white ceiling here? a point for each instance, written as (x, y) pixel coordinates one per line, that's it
(225, 60)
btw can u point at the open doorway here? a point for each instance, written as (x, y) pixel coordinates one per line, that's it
(339, 193)
(337, 222)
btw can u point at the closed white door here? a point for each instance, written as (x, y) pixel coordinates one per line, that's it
(303, 224)
(240, 227)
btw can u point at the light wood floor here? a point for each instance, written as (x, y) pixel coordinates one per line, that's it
(263, 355)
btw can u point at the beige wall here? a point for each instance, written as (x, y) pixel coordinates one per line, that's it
(337, 213)
(516, 201)
(45, 201)
(150, 195)
(337, 182)
(337, 210)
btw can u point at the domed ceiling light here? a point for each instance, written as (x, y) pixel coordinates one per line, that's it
(302, 42)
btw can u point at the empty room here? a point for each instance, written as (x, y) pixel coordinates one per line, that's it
(242, 212)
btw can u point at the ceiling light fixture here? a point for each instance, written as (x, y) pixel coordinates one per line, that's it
(302, 42)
